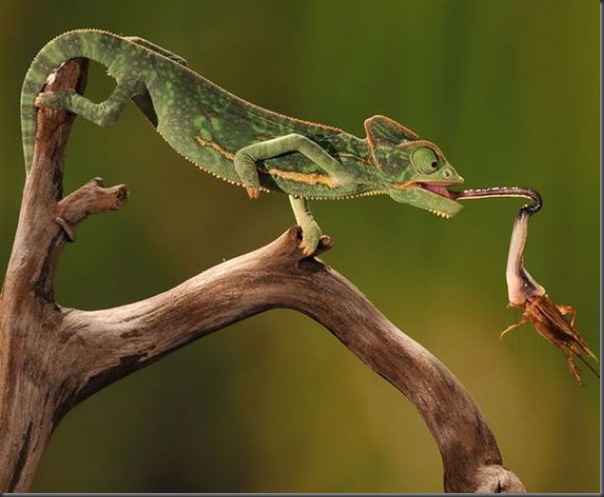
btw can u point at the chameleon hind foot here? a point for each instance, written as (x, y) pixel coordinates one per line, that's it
(53, 99)
(104, 113)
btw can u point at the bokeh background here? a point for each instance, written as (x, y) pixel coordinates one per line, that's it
(509, 90)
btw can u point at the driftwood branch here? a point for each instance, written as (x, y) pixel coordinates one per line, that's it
(52, 357)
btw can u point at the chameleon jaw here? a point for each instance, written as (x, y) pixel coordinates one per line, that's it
(434, 197)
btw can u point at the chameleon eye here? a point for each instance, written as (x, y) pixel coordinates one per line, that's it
(425, 159)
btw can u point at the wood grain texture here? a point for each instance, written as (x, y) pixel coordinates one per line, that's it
(52, 357)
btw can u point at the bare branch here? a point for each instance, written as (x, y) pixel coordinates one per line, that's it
(278, 275)
(92, 198)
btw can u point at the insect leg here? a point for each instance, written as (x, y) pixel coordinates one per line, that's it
(513, 326)
(567, 309)
(572, 367)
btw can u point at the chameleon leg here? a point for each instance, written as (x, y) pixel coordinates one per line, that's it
(245, 164)
(311, 233)
(103, 114)
(247, 157)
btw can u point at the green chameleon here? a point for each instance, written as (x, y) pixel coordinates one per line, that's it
(240, 142)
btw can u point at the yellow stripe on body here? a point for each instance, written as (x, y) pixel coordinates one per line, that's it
(216, 147)
(307, 178)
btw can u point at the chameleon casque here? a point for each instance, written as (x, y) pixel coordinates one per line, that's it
(240, 142)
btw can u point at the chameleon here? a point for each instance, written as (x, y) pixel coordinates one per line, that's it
(238, 141)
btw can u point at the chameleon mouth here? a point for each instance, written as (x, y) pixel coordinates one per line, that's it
(439, 188)
(433, 196)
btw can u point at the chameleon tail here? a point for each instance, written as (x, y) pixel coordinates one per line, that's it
(92, 44)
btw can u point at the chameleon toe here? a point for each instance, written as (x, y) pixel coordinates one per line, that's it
(253, 192)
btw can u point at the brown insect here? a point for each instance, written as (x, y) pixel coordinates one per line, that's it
(550, 322)
(525, 293)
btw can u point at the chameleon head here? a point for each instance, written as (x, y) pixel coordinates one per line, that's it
(414, 171)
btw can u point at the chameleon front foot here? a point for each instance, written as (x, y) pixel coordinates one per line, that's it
(245, 166)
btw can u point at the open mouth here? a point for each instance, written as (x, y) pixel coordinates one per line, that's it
(433, 196)
(444, 206)
(439, 188)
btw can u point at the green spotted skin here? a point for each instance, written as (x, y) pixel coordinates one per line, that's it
(238, 141)
(190, 115)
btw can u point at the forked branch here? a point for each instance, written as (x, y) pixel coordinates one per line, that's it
(52, 358)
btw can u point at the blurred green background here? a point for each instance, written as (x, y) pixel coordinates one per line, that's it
(510, 92)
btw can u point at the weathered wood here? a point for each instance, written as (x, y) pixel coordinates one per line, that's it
(51, 357)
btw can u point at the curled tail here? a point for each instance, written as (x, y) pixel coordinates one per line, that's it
(93, 44)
